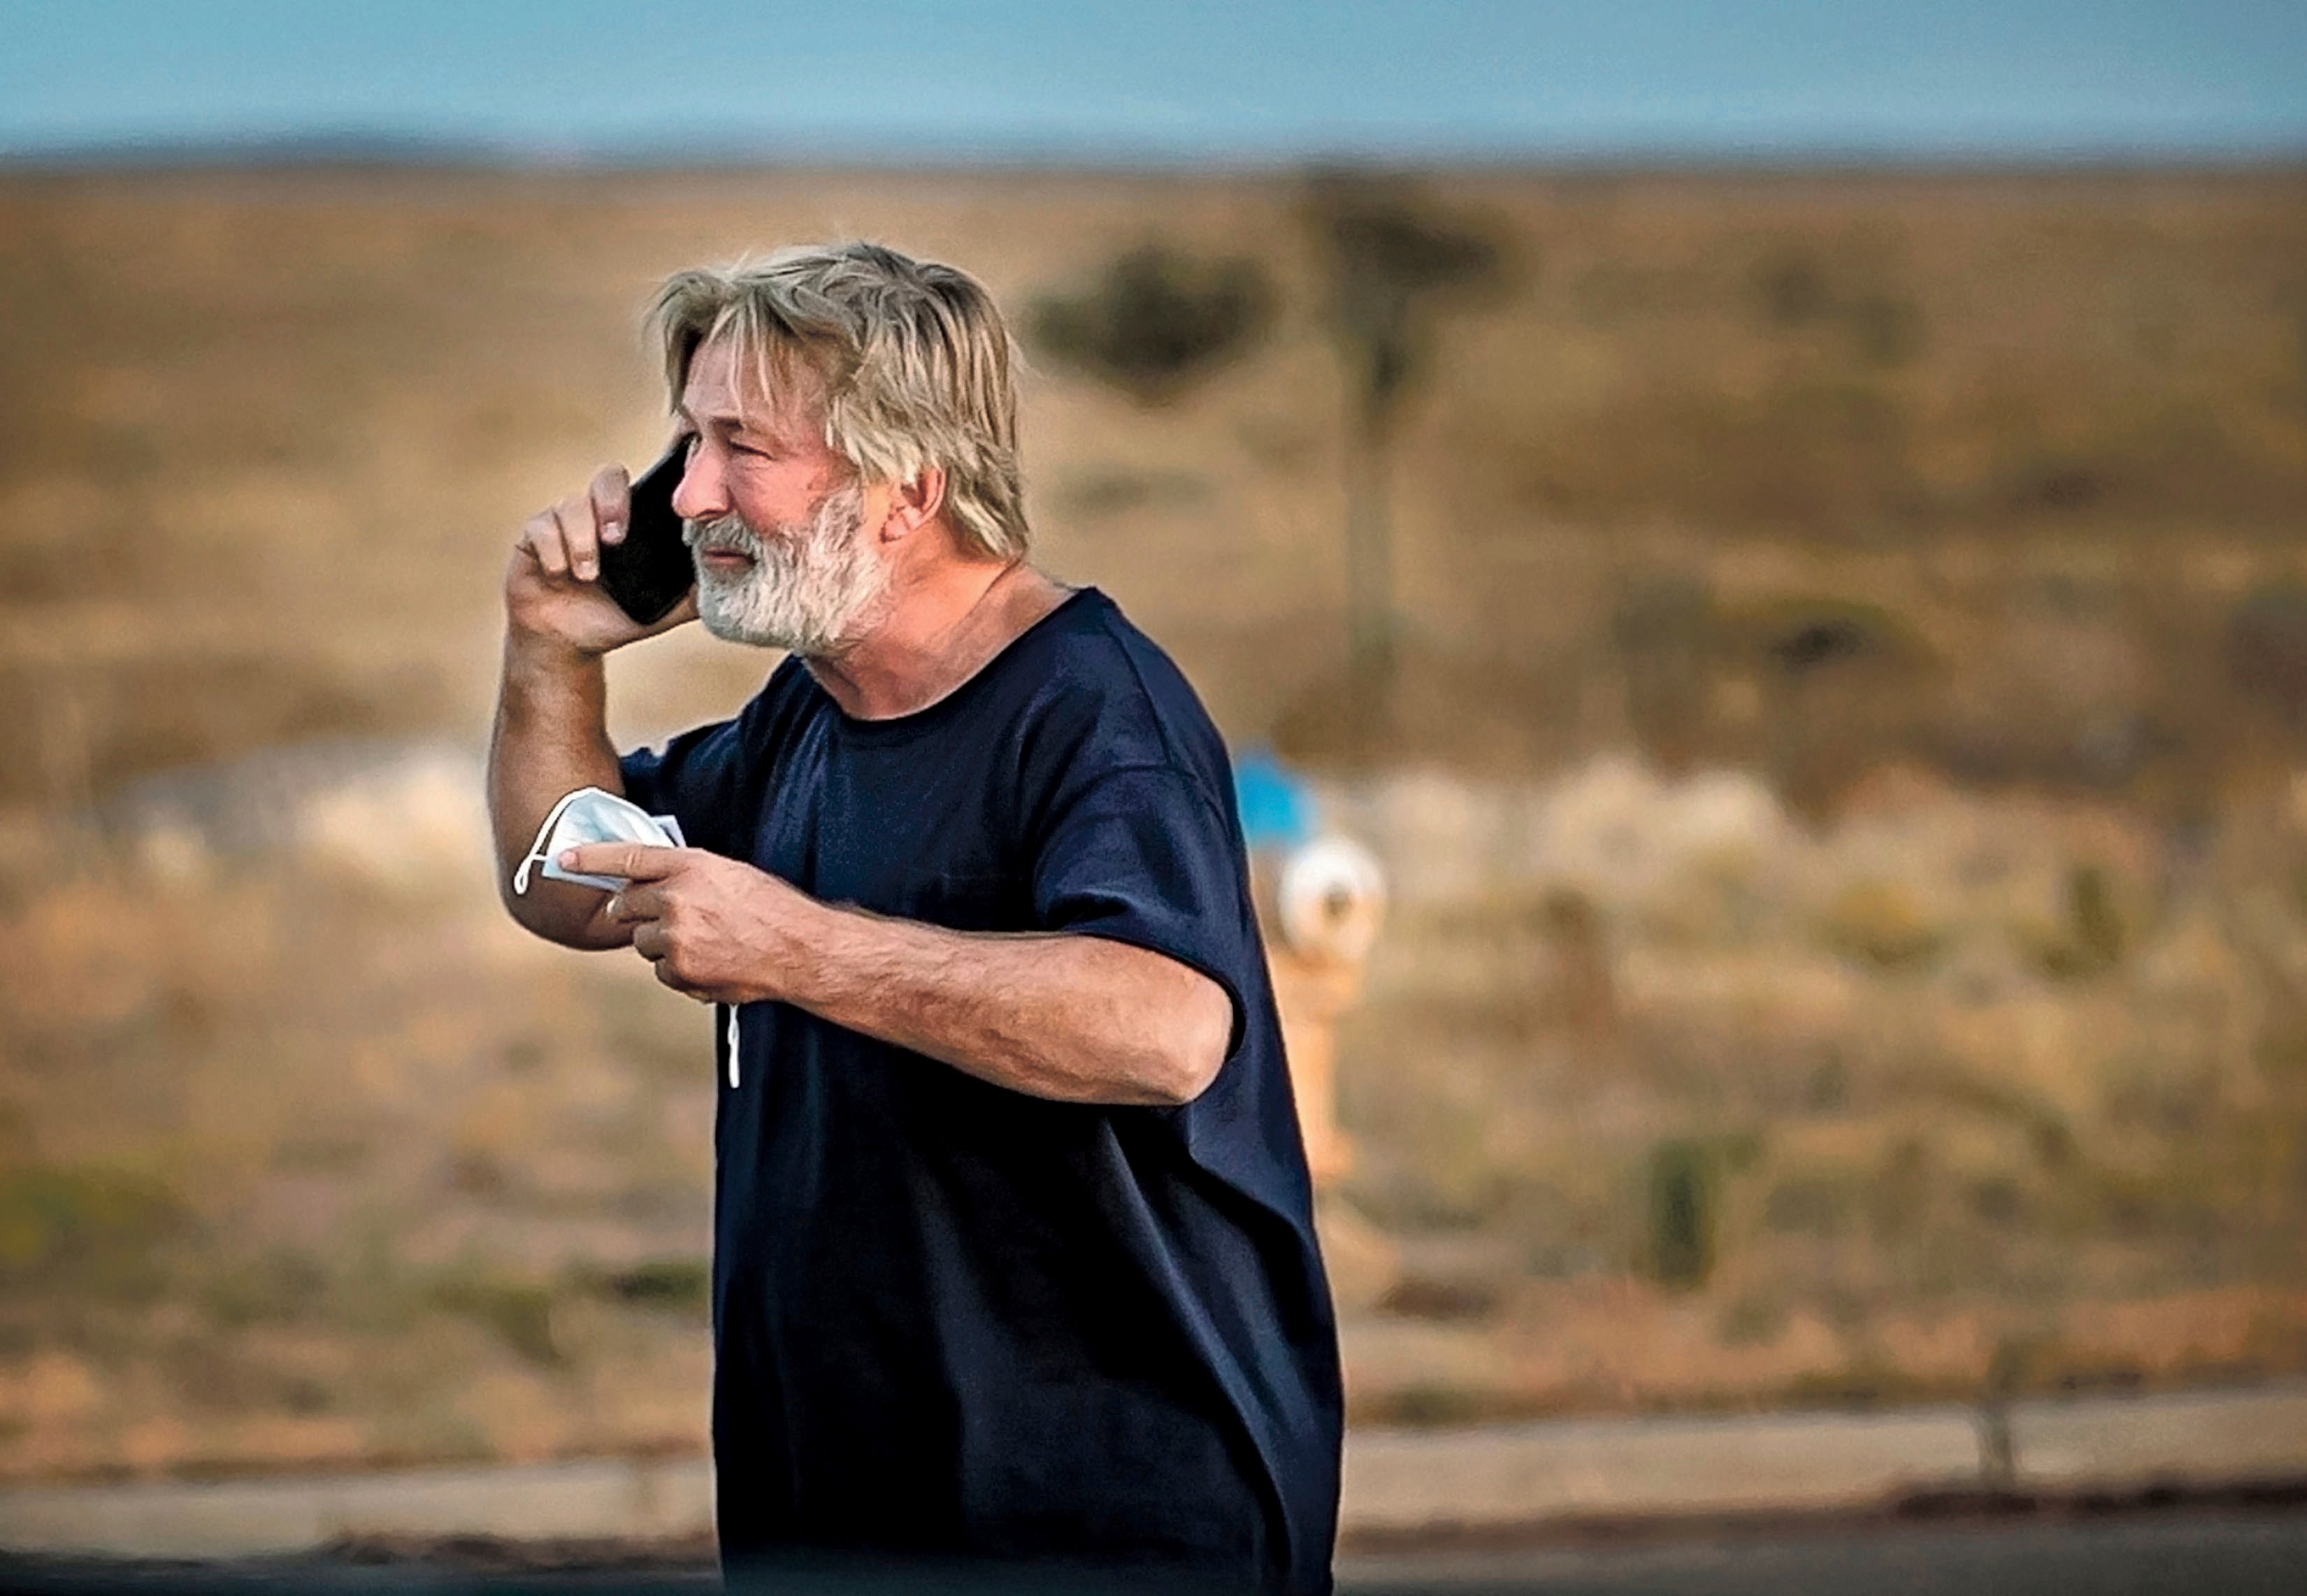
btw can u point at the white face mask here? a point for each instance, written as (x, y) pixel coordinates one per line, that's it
(589, 815)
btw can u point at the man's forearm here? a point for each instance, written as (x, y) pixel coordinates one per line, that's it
(550, 739)
(1077, 1019)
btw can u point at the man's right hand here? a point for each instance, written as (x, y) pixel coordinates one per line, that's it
(552, 592)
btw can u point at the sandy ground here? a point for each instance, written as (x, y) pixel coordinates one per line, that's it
(1850, 883)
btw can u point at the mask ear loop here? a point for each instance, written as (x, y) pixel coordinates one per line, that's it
(536, 850)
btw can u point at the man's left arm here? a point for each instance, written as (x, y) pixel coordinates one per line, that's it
(1076, 1017)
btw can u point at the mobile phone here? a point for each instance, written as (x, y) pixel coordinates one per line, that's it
(650, 569)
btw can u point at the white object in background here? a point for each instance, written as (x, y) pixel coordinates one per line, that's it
(1332, 898)
(591, 815)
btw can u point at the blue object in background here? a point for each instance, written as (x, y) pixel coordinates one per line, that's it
(1277, 810)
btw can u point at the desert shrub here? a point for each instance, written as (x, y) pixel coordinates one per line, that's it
(518, 1312)
(279, 1286)
(1802, 635)
(2266, 648)
(1880, 923)
(1431, 1403)
(1846, 685)
(1998, 1200)
(1663, 629)
(2098, 928)
(2092, 937)
(90, 1230)
(1683, 1214)
(1791, 290)
(1424, 1297)
(2058, 486)
(1887, 330)
(1755, 1319)
(1899, 1195)
(1808, 1205)
(679, 1285)
(1156, 321)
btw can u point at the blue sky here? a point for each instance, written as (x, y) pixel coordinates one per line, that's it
(1168, 79)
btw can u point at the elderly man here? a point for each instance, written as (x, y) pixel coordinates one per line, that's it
(1014, 1256)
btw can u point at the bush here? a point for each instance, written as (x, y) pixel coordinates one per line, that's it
(681, 1285)
(1157, 322)
(1879, 923)
(519, 1311)
(1683, 1216)
(2093, 937)
(2267, 649)
(92, 1231)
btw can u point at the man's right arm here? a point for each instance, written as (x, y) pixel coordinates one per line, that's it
(551, 736)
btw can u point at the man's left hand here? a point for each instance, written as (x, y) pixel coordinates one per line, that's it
(714, 928)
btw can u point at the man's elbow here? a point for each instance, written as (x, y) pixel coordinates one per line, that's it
(547, 913)
(1197, 1040)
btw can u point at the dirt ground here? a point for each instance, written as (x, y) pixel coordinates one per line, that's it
(1839, 785)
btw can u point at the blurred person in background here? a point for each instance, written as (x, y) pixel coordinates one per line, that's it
(1015, 1258)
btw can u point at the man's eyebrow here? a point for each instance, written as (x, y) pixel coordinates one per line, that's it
(731, 420)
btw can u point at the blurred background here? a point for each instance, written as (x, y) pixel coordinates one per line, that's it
(1783, 527)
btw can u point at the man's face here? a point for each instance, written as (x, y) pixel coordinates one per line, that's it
(776, 519)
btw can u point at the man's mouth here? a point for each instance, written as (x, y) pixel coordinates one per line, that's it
(725, 560)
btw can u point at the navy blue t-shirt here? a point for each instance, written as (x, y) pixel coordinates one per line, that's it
(953, 1320)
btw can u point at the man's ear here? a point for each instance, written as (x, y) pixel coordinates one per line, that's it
(913, 505)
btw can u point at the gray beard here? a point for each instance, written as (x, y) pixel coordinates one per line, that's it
(815, 587)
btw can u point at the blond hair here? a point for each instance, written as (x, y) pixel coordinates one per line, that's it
(911, 357)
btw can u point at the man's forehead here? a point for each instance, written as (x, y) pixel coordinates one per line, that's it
(726, 386)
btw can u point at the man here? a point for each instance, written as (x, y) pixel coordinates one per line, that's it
(1013, 1249)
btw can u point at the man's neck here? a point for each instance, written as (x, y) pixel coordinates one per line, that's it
(938, 634)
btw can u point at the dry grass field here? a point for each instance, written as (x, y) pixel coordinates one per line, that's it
(1842, 784)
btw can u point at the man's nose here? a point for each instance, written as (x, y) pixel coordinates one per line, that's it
(701, 493)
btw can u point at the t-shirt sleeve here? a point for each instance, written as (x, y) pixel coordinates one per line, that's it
(1141, 855)
(697, 778)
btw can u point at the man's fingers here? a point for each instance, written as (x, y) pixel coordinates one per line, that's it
(635, 861)
(575, 518)
(612, 494)
(643, 900)
(543, 536)
(567, 538)
(665, 977)
(654, 943)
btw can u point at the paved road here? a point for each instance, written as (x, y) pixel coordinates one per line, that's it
(1401, 1485)
(1416, 1489)
(2154, 1554)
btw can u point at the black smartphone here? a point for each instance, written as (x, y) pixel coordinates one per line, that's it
(650, 569)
